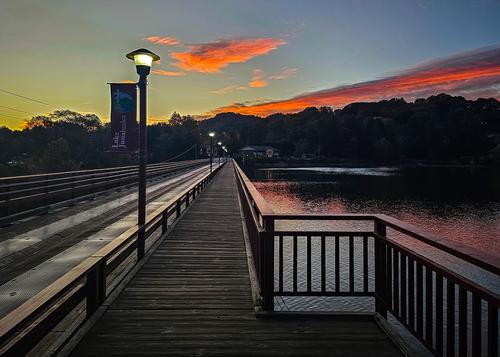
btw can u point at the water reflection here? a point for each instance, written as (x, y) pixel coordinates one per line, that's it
(462, 204)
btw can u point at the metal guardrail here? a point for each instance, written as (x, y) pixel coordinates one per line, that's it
(21, 196)
(25, 326)
(419, 292)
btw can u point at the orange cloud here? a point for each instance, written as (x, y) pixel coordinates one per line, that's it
(165, 40)
(470, 74)
(212, 57)
(258, 80)
(162, 72)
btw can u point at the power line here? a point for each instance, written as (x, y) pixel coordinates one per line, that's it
(17, 110)
(28, 98)
(176, 156)
(11, 116)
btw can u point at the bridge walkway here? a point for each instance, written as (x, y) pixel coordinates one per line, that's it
(193, 297)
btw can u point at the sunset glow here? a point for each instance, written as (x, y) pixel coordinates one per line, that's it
(250, 57)
(467, 74)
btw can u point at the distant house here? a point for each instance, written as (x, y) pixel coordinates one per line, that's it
(259, 151)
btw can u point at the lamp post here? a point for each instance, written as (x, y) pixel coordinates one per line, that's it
(211, 134)
(143, 61)
(219, 149)
(225, 152)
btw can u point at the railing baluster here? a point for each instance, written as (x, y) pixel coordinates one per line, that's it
(178, 208)
(402, 263)
(337, 264)
(411, 294)
(309, 275)
(294, 263)
(462, 322)
(389, 277)
(476, 325)
(439, 314)
(420, 298)
(164, 221)
(450, 318)
(380, 268)
(492, 330)
(428, 306)
(365, 264)
(323, 263)
(351, 263)
(395, 289)
(280, 268)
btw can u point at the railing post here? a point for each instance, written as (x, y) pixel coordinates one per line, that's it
(141, 240)
(187, 199)
(96, 287)
(178, 208)
(164, 221)
(267, 261)
(380, 269)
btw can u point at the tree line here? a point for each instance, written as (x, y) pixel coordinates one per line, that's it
(438, 129)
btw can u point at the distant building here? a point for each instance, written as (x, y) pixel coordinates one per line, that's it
(259, 151)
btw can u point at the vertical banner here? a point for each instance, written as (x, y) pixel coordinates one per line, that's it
(124, 128)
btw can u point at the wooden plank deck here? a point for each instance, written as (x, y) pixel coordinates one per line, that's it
(193, 298)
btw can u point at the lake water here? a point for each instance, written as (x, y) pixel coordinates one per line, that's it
(461, 204)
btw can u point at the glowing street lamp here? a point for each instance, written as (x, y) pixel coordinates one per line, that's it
(211, 134)
(143, 60)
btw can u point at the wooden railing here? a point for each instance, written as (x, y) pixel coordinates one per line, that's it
(21, 196)
(87, 283)
(418, 291)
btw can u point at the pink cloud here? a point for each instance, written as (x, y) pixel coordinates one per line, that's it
(258, 80)
(165, 40)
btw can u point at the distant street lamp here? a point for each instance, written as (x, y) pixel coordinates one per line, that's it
(219, 150)
(211, 134)
(143, 61)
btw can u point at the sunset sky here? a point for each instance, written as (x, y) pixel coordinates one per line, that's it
(254, 57)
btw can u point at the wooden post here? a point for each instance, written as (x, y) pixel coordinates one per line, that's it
(141, 242)
(267, 261)
(380, 269)
(178, 208)
(164, 221)
(96, 288)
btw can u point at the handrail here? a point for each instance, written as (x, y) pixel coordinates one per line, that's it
(261, 205)
(469, 254)
(403, 279)
(90, 171)
(18, 332)
(24, 198)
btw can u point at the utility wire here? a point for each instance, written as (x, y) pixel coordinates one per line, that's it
(28, 98)
(176, 156)
(11, 116)
(17, 110)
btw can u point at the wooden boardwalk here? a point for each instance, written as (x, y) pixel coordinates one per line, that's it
(193, 298)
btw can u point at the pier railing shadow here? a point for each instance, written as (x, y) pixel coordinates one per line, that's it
(80, 292)
(449, 313)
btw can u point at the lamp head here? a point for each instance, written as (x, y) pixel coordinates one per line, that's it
(211, 134)
(143, 59)
(219, 143)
